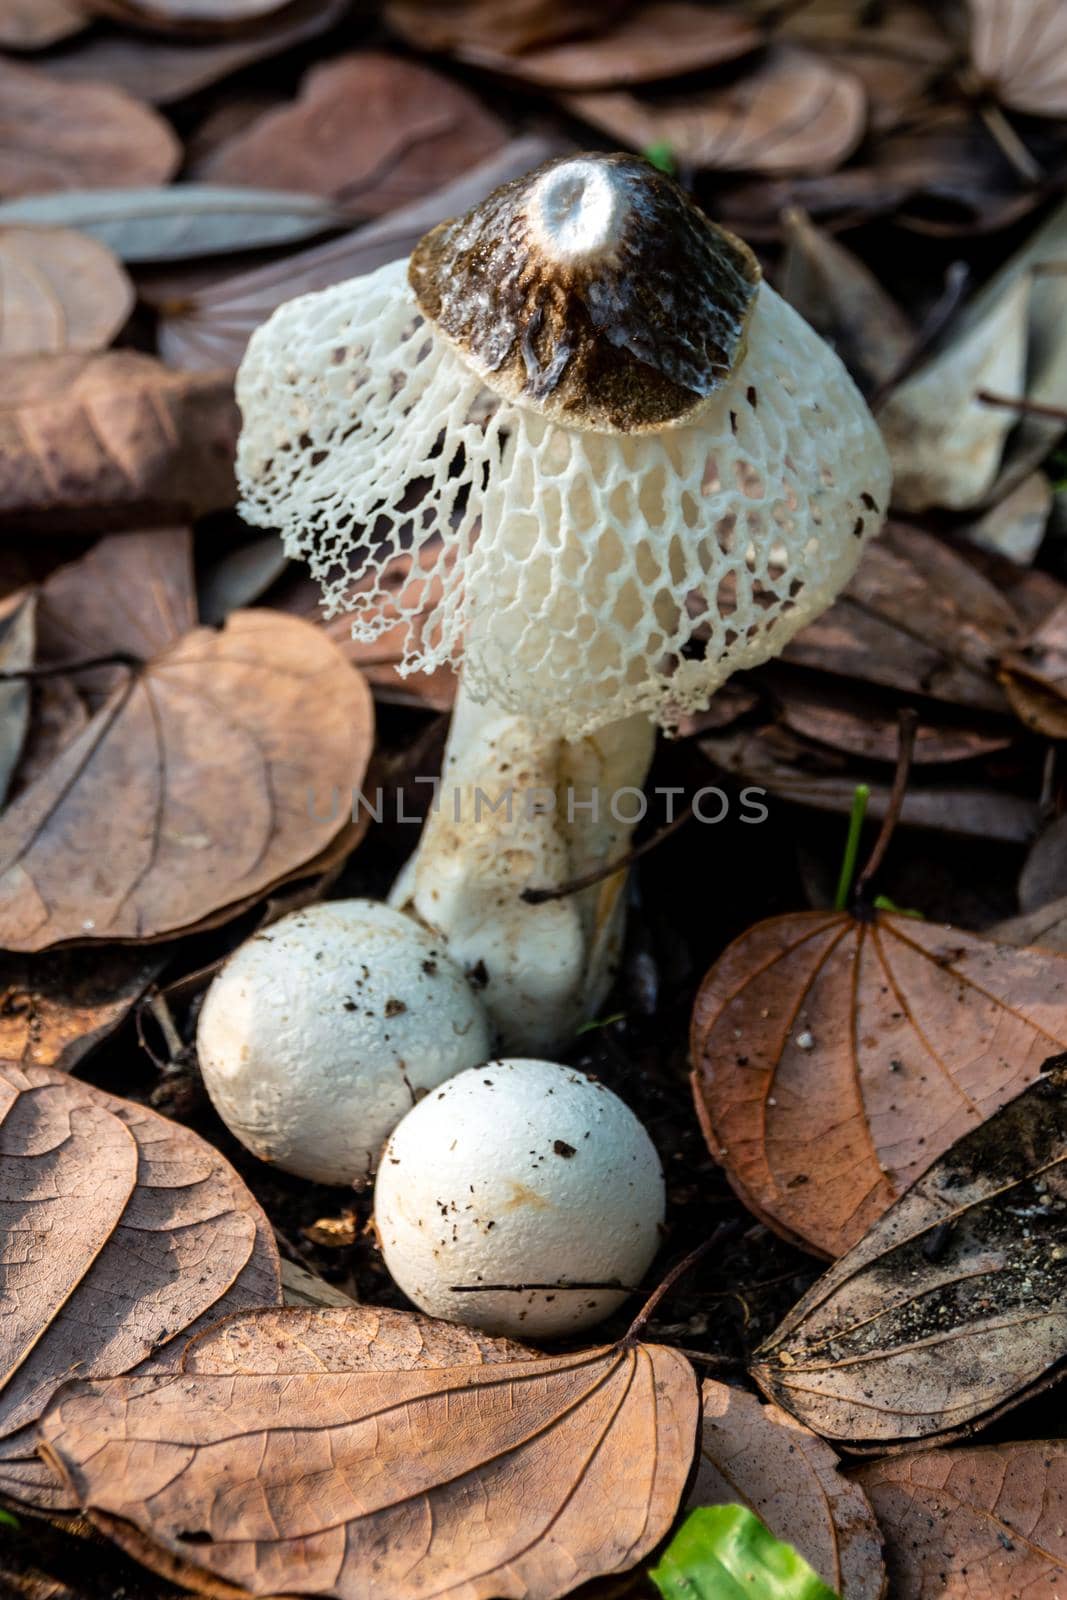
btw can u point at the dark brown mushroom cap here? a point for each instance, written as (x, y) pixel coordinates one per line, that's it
(592, 290)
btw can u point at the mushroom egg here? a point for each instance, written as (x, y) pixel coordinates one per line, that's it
(321, 1031)
(529, 1178)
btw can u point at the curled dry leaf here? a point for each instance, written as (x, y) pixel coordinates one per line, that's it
(211, 326)
(969, 1523)
(795, 113)
(1019, 51)
(54, 1009)
(167, 70)
(132, 1230)
(576, 1463)
(945, 445)
(843, 300)
(111, 440)
(834, 1059)
(663, 39)
(139, 828)
(59, 290)
(953, 1307)
(36, 24)
(77, 135)
(370, 130)
(179, 220)
(509, 25)
(762, 1458)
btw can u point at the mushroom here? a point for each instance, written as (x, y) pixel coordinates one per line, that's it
(526, 1176)
(321, 1031)
(623, 469)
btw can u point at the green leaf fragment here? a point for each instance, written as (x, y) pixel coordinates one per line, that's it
(726, 1553)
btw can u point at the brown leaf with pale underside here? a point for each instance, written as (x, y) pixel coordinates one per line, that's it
(132, 1231)
(953, 1307)
(77, 136)
(1019, 49)
(190, 791)
(513, 1478)
(371, 130)
(835, 1059)
(794, 113)
(59, 290)
(113, 440)
(759, 1456)
(967, 1524)
(663, 39)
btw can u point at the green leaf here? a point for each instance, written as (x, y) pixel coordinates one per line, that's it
(726, 1553)
(660, 154)
(9, 1520)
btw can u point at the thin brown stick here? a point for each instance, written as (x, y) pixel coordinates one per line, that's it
(538, 897)
(722, 1235)
(909, 725)
(1009, 143)
(957, 279)
(1029, 408)
(67, 668)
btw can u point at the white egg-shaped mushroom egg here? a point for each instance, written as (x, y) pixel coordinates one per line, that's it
(321, 1032)
(527, 1177)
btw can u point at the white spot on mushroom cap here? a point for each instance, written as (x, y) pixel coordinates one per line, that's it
(577, 210)
(519, 1172)
(319, 1032)
(601, 558)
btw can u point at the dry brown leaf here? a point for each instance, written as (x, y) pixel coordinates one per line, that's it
(210, 774)
(510, 25)
(794, 113)
(210, 326)
(953, 1307)
(131, 1231)
(55, 1008)
(36, 24)
(835, 1059)
(59, 290)
(187, 16)
(112, 440)
(843, 300)
(759, 1456)
(815, 775)
(1019, 51)
(969, 1524)
(77, 136)
(166, 70)
(663, 39)
(854, 723)
(370, 130)
(1035, 677)
(514, 1478)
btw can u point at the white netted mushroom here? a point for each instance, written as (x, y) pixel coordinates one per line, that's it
(624, 468)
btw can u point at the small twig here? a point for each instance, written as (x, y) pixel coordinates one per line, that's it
(722, 1235)
(1029, 408)
(909, 725)
(957, 279)
(171, 1037)
(539, 897)
(120, 658)
(1009, 143)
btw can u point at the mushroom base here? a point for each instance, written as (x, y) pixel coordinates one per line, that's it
(520, 807)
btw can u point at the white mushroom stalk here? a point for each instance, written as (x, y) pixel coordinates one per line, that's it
(624, 469)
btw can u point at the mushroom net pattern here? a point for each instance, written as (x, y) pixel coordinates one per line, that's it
(579, 576)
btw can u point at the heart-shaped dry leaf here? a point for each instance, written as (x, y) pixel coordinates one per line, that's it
(130, 1231)
(1019, 50)
(112, 440)
(972, 1524)
(375, 1474)
(59, 290)
(835, 1058)
(213, 772)
(795, 113)
(77, 135)
(953, 1307)
(760, 1457)
(369, 130)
